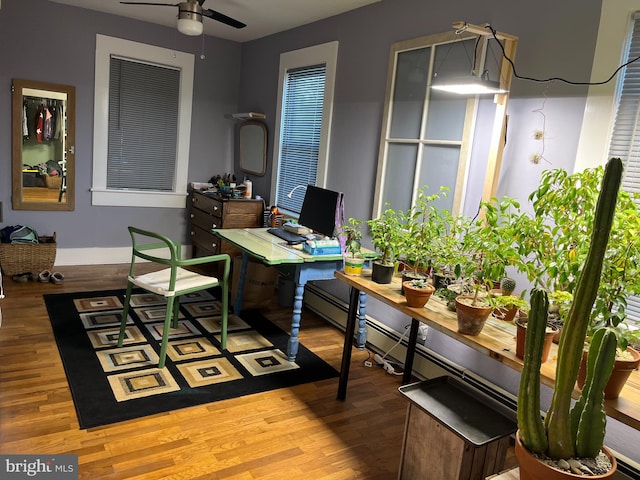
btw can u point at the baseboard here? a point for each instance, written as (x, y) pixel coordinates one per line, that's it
(100, 255)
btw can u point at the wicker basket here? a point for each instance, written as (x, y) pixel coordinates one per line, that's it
(17, 258)
(53, 181)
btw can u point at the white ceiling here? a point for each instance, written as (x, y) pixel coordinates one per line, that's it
(263, 17)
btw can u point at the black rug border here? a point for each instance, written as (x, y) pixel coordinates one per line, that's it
(94, 402)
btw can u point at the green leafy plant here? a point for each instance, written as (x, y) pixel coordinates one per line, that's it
(387, 234)
(424, 225)
(352, 232)
(508, 301)
(553, 242)
(486, 245)
(579, 430)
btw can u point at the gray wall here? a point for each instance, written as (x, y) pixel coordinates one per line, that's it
(46, 41)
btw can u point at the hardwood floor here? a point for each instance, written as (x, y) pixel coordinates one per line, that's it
(292, 433)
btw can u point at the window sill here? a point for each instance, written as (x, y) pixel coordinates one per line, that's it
(138, 198)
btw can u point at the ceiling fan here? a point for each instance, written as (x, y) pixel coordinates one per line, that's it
(190, 15)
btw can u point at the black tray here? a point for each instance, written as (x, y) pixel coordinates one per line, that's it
(462, 409)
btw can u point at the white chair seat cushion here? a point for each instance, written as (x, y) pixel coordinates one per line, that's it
(158, 282)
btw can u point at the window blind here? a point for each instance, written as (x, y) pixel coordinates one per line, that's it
(301, 124)
(143, 126)
(625, 138)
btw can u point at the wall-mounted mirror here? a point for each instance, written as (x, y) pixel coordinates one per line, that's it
(43, 145)
(253, 147)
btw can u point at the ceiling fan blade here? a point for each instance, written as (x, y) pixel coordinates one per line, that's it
(222, 18)
(151, 3)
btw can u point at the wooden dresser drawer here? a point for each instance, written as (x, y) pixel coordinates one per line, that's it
(205, 239)
(212, 206)
(203, 220)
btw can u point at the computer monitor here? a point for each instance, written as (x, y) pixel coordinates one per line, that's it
(319, 210)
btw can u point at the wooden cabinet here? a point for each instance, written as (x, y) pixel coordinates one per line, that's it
(207, 213)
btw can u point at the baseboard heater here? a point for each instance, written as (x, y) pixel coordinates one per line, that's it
(427, 363)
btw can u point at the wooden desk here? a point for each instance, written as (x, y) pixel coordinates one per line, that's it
(497, 340)
(293, 262)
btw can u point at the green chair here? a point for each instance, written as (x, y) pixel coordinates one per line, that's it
(171, 282)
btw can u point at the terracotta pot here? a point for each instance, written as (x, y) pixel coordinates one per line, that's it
(621, 371)
(471, 318)
(533, 469)
(381, 273)
(506, 314)
(521, 334)
(411, 275)
(417, 297)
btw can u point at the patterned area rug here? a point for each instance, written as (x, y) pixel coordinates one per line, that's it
(111, 384)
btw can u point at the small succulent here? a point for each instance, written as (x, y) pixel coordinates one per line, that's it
(419, 283)
(507, 285)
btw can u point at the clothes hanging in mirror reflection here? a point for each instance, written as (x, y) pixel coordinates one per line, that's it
(42, 118)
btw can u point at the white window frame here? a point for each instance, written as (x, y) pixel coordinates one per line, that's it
(616, 24)
(326, 53)
(616, 21)
(101, 195)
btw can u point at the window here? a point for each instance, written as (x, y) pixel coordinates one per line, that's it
(142, 124)
(426, 134)
(625, 137)
(610, 124)
(303, 123)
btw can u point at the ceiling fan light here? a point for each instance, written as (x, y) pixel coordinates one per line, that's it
(468, 85)
(188, 26)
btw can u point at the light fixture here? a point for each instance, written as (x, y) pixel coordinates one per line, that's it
(468, 85)
(190, 19)
(294, 189)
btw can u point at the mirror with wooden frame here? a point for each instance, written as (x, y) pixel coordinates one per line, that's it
(43, 145)
(253, 147)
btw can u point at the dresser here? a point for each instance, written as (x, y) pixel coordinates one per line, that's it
(207, 213)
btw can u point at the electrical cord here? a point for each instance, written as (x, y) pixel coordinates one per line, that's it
(551, 79)
(380, 360)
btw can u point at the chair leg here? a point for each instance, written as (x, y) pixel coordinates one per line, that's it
(176, 312)
(225, 316)
(125, 313)
(165, 331)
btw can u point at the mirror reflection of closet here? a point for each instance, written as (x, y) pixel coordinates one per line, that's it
(253, 147)
(43, 145)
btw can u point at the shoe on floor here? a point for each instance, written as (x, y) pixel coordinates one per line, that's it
(44, 276)
(22, 277)
(57, 278)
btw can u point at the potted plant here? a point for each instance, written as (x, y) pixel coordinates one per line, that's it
(352, 255)
(448, 249)
(387, 234)
(417, 292)
(553, 242)
(422, 227)
(448, 296)
(568, 432)
(521, 335)
(505, 307)
(486, 256)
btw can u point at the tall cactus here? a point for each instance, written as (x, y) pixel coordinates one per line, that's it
(589, 414)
